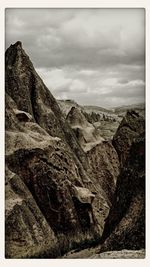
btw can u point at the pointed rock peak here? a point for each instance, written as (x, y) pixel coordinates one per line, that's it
(75, 111)
(18, 44)
(76, 117)
(20, 76)
(15, 54)
(14, 47)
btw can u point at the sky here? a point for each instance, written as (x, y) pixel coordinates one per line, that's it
(93, 56)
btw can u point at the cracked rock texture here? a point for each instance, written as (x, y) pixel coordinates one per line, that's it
(45, 155)
(125, 225)
(130, 127)
(27, 231)
(87, 135)
(60, 180)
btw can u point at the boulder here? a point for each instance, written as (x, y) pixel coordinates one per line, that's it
(83, 195)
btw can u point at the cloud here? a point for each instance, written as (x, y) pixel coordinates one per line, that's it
(90, 55)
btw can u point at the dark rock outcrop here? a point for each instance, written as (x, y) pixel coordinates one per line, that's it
(125, 225)
(130, 127)
(27, 231)
(104, 162)
(92, 117)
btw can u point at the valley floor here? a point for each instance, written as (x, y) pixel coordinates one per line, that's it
(93, 253)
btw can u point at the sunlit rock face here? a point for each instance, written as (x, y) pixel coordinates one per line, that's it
(88, 136)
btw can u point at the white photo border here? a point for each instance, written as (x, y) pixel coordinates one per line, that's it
(72, 4)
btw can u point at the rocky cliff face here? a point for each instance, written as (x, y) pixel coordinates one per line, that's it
(58, 194)
(48, 162)
(124, 231)
(105, 166)
(27, 232)
(125, 225)
(30, 94)
(130, 127)
(87, 135)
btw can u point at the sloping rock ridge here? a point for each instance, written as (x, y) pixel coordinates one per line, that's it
(46, 157)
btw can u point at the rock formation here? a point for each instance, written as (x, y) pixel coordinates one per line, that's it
(125, 225)
(130, 127)
(27, 231)
(49, 163)
(104, 121)
(61, 175)
(105, 165)
(66, 105)
(87, 135)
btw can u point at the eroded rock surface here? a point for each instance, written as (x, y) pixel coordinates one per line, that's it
(27, 231)
(87, 135)
(125, 225)
(105, 165)
(130, 127)
(62, 175)
(30, 95)
(43, 151)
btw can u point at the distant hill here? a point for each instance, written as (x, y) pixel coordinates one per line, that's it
(140, 108)
(66, 106)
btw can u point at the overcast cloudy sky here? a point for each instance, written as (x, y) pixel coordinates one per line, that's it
(94, 56)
